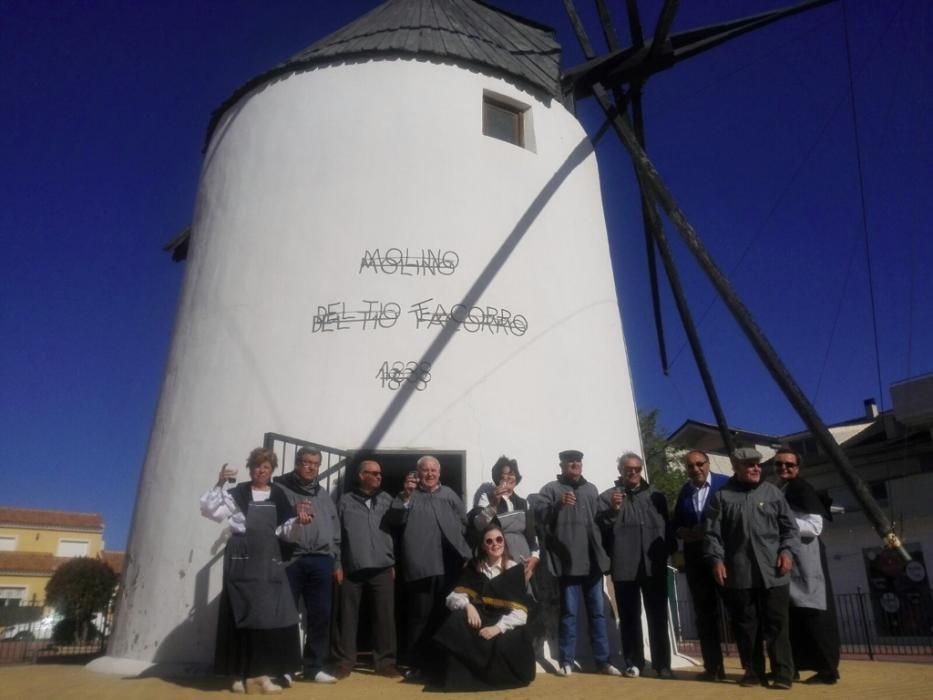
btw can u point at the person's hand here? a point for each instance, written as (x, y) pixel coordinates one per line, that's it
(408, 488)
(304, 512)
(473, 617)
(498, 494)
(719, 573)
(530, 565)
(338, 575)
(569, 498)
(226, 473)
(784, 563)
(617, 497)
(489, 632)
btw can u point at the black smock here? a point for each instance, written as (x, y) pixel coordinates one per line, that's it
(473, 663)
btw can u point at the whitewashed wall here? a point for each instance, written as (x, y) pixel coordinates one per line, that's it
(302, 178)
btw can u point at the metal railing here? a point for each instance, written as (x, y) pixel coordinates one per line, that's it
(31, 633)
(333, 460)
(899, 624)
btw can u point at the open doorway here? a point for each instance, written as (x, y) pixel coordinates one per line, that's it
(397, 463)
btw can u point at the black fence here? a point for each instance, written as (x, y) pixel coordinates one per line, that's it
(31, 633)
(899, 625)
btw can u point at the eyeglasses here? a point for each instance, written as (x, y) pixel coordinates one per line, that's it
(785, 465)
(372, 473)
(696, 464)
(631, 470)
(494, 540)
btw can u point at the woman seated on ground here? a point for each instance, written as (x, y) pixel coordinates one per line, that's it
(486, 641)
(257, 623)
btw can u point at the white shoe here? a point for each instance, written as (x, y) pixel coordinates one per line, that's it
(565, 671)
(631, 672)
(238, 687)
(262, 685)
(323, 677)
(610, 670)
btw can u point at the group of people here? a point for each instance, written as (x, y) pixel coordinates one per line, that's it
(760, 541)
(469, 582)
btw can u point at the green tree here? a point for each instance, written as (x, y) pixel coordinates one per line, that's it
(665, 473)
(78, 589)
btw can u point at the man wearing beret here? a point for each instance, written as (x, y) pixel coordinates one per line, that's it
(749, 541)
(566, 509)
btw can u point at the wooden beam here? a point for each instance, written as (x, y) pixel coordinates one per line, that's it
(663, 28)
(655, 187)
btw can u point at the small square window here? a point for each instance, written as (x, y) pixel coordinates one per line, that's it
(504, 122)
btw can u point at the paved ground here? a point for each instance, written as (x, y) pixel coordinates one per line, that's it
(860, 679)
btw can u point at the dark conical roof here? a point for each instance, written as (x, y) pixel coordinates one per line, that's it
(463, 30)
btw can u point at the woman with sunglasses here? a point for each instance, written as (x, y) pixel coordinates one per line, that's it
(485, 638)
(814, 633)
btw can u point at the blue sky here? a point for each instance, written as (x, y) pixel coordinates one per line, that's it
(106, 108)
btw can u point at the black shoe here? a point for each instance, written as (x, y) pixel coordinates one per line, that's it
(749, 680)
(712, 676)
(822, 678)
(414, 675)
(782, 684)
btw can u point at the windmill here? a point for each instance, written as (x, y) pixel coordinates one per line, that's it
(352, 277)
(616, 81)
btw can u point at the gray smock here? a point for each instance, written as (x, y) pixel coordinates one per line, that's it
(255, 574)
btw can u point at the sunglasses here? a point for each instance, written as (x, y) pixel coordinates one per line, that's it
(372, 473)
(785, 465)
(695, 464)
(494, 540)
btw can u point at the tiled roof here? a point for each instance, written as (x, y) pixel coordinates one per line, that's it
(114, 559)
(461, 30)
(29, 562)
(27, 517)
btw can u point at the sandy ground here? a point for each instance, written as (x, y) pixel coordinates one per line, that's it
(860, 679)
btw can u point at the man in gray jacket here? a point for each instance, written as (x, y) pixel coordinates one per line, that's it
(749, 543)
(368, 568)
(634, 518)
(566, 509)
(433, 523)
(314, 564)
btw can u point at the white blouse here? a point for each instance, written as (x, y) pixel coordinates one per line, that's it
(218, 505)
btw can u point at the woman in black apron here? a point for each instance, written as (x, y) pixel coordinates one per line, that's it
(257, 625)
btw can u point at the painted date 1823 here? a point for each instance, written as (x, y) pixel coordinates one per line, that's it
(394, 374)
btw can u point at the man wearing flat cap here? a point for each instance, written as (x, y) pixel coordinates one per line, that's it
(566, 510)
(750, 537)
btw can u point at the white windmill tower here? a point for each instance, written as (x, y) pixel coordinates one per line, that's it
(398, 246)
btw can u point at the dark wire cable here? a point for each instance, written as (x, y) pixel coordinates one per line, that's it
(753, 239)
(861, 191)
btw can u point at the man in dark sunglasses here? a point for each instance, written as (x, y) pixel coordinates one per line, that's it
(369, 569)
(688, 524)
